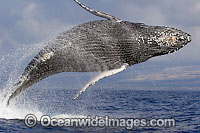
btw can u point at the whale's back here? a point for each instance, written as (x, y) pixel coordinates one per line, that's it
(94, 46)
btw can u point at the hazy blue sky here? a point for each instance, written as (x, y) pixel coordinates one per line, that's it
(25, 22)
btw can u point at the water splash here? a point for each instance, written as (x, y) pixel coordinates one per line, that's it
(19, 111)
(11, 67)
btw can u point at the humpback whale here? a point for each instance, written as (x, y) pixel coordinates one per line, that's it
(107, 46)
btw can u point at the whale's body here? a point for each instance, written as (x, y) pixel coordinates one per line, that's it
(101, 46)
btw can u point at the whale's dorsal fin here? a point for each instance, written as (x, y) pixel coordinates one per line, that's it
(98, 13)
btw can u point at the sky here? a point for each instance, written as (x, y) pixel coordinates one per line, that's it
(24, 23)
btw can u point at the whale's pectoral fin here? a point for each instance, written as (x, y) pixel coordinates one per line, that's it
(101, 76)
(98, 13)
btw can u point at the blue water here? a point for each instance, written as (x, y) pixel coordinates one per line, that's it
(183, 106)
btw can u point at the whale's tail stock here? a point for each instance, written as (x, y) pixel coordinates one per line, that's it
(17, 88)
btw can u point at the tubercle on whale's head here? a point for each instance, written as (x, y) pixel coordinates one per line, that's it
(169, 39)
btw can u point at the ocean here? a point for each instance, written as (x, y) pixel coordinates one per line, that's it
(122, 97)
(182, 106)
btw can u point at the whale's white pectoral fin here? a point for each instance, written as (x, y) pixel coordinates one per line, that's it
(101, 76)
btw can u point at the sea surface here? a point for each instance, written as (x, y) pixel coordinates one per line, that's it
(183, 106)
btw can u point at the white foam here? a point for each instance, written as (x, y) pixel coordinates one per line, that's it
(18, 112)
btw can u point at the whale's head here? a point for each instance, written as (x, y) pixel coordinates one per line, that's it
(167, 39)
(155, 41)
